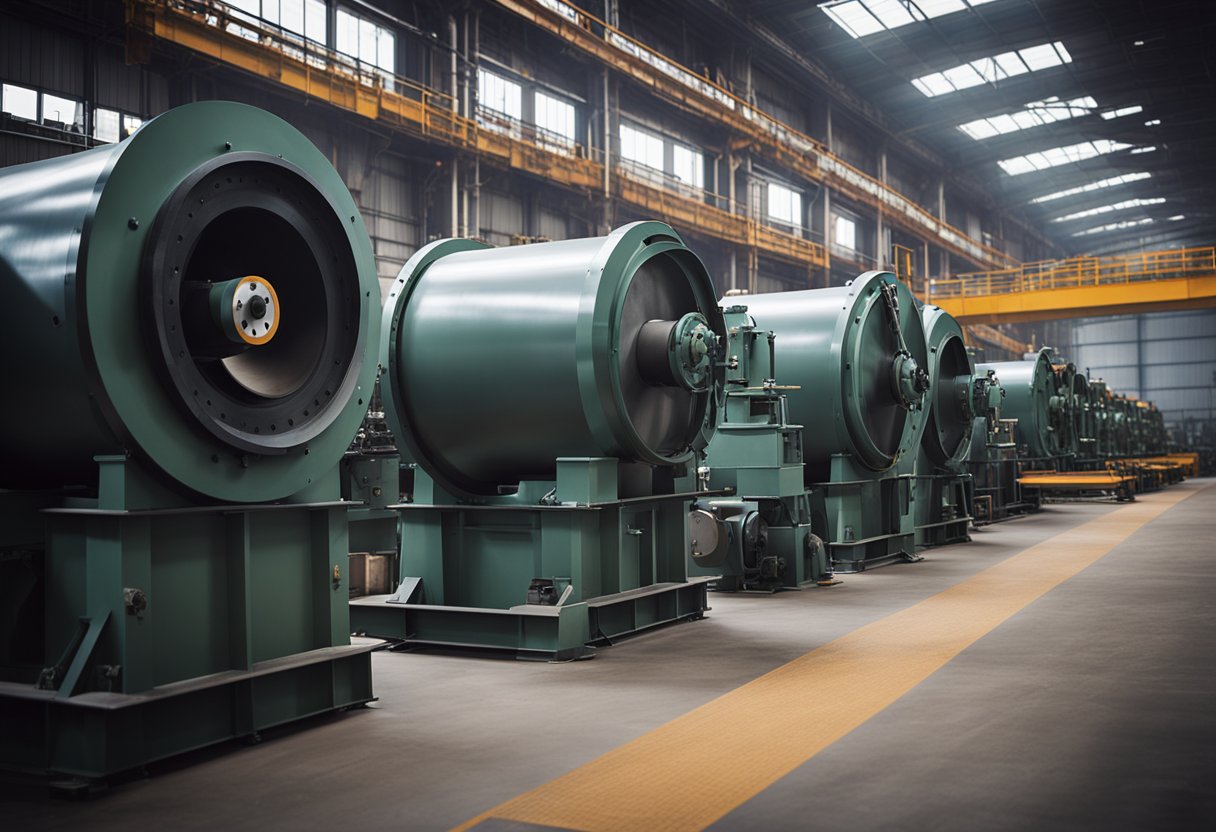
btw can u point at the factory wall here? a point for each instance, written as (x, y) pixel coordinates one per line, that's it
(404, 185)
(1168, 358)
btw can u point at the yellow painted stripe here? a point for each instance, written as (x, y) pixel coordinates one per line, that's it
(695, 769)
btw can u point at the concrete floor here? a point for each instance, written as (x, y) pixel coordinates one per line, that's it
(1093, 707)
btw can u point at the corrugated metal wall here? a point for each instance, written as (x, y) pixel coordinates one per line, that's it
(1168, 358)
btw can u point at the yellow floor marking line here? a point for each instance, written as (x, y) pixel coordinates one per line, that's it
(695, 769)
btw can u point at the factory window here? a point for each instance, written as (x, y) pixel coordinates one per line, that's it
(106, 125)
(367, 43)
(1114, 206)
(500, 95)
(784, 204)
(19, 102)
(845, 233)
(1032, 115)
(860, 18)
(1060, 156)
(990, 70)
(130, 124)
(306, 18)
(64, 113)
(1094, 186)
(688, 165)
(554, 116)
(641, 147)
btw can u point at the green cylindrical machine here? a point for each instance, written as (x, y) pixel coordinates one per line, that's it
(552, 396)
(947, 437)
(941, 487)
(856, 358)
(200, 296)
(596, 347)
(189, 317)
(1032, 397)
(1069, 414)
(857, 355)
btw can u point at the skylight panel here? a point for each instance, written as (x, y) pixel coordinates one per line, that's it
(1060, 156)
(1094, 186)
(1116, 206)
(1114, 226)
(1036, 113)
(865, 17)
(1148, 149)
(1122, 111)
(991, 70)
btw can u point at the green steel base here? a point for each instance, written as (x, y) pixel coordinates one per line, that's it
(98, 734)
(538, 631)
(870, 553)
(941, 503)
(943, 533)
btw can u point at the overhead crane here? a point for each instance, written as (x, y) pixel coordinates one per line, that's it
(1152, 281)
(419, 111)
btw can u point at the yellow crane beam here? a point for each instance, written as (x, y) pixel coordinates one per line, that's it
(994, 337)
(1154, 281)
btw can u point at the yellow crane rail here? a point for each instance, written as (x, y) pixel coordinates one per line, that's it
(213, 30)
(777, 141)
(1152, 281)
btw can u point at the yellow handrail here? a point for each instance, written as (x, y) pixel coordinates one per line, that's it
(1076, 272)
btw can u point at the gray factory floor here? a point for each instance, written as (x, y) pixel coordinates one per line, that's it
(1090, 705)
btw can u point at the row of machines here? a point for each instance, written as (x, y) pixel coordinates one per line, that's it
(1063, 432)
(555, 445)
(602, 440)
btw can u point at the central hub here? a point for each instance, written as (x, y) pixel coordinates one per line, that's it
(246, 309)
(677, 353)
(911, 381)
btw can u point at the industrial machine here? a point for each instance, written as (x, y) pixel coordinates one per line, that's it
(1032, 397)
(189, 315)
(855, 359)
(958, 401)
(551, 396)
(762, 537)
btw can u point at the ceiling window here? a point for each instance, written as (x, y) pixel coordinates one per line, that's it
(554, 115)
(1060, 156)
(990, 70)
(641, 147)
(784, 204)
(1115, 206)
(1122, 111)
(499, 94)
(1094, 186)
(1114, 226)
(64, 113)
(19, 102)
(1034, 114)
(688, 165)
(366, 42)
(865, 17)
(844, 233)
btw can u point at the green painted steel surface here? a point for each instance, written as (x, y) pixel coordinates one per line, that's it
(839, 348)
(947, 436)
(500, 361)
(757, 453)
(1031, 397)
(90, 246)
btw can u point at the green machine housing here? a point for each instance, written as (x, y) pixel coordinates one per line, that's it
(189, 315)
(557, 393)
(1033, 397)
(961, 405)
(855, 358)
(763, 536)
